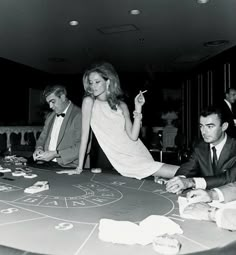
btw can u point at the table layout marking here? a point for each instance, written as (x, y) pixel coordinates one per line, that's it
(20, 221)
(141, 185)
(47, 216)
(86, 240)
(193, 241)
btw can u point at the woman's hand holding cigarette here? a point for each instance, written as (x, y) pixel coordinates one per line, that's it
(139, 101)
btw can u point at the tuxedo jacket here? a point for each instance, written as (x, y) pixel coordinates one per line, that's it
(200, 164)
(69, 138)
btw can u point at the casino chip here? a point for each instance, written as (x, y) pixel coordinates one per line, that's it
(30, 175)
(40, 162)
(96, 170)
(159, 180)
(18, 173)
(166, 245)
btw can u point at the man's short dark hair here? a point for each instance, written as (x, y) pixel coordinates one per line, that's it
(214, 110)
(57, 89)
(227, 91)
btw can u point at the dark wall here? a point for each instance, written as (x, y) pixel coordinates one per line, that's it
(205, 86)
(17, 79)
(155, 99)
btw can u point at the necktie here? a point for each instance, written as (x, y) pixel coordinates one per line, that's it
(214, 158)
(61, 114)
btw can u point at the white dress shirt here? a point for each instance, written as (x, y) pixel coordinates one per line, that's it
(55, 131)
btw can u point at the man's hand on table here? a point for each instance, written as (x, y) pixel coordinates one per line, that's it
(46, 155)
(178, 184)
(201, 211)
(78, 170)
(200, 195)
(38, 152)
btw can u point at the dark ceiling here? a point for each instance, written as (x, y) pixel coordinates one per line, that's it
(167, 36)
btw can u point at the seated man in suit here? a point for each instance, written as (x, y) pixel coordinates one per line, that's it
(213, 161)
(59, 140)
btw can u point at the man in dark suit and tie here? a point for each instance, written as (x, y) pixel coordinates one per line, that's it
(208, 168)
(60, 138)
(227, 108)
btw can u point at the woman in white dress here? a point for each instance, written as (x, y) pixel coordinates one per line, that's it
(117, 135)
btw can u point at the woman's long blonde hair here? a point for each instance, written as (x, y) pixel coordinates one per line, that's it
(107, 71)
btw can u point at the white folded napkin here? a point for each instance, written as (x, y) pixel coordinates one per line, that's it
(126, 232)
(158, 225)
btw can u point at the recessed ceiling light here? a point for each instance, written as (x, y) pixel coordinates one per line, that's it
(215, 43)
(134, 12)
(74, 23)
(202, 1)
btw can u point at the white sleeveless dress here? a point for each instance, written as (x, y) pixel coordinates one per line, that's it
(130, 158)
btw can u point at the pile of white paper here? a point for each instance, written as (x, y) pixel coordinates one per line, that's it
(126, 232)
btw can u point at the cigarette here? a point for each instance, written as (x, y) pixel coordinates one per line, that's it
(144, 91)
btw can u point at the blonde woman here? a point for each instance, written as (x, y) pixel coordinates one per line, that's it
(108, 115)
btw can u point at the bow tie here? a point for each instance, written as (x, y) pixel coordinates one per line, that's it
(62, 115)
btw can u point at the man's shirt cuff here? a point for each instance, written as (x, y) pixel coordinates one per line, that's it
(220, 195)
(200, 183)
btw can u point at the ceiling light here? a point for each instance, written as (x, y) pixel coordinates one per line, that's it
(134, 12)
(215, 43)
(202, 1)
(74, 23)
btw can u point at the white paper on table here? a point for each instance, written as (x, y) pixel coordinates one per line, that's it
(126, 232)
(158, 225)
(183, 203)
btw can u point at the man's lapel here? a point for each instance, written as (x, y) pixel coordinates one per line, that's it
(224, 155)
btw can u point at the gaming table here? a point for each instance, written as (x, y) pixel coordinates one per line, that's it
(64, 220)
